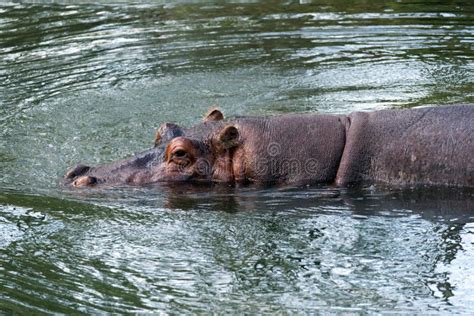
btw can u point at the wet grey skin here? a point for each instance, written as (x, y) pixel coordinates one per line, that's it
(422, 146)
(125, 171)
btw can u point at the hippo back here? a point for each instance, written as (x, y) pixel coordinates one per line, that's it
(292, 148)
(423, 146)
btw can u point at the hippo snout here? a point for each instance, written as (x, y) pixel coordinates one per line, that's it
(77, 171)
(78, 177)
(84, 181)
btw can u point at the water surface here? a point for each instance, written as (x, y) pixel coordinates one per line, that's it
(91, 82)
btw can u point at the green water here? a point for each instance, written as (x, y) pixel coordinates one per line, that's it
(91, 83)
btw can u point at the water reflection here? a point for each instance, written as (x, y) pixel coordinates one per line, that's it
(292, 248)
(429, 203)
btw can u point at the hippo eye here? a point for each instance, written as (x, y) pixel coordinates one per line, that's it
(181, 157)
(180, 154)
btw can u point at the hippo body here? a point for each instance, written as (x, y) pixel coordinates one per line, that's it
(432, 146)
(423, 146)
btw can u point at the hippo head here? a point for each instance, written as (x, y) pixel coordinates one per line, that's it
(203, 153)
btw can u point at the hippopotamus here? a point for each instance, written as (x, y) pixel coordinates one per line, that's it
(407, 147)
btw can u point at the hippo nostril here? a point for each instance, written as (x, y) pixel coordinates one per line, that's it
(76, 171)
(84, 181)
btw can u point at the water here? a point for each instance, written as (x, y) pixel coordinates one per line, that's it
(91, 82)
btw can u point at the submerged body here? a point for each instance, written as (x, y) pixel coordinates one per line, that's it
(423, 146)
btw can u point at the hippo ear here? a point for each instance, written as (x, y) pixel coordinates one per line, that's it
(157, 138)
(166, 132)
(227, 138)
(213, 115)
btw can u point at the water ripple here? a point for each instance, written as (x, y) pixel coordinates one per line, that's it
(103, 45)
